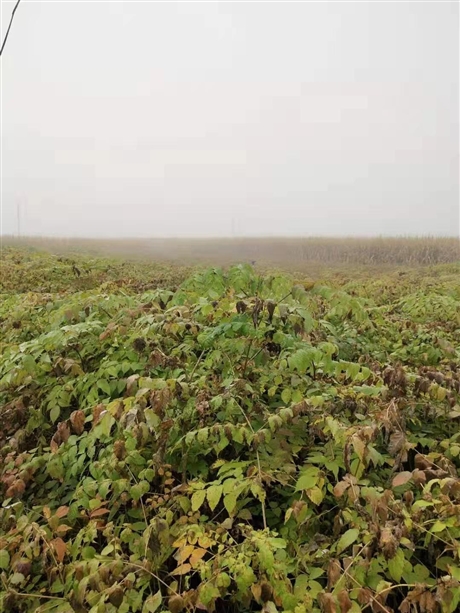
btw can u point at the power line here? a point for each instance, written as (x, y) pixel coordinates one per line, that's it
(9, 26)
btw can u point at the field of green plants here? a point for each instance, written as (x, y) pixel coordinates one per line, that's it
(227, 441)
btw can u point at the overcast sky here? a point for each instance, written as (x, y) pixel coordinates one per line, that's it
(181, 119)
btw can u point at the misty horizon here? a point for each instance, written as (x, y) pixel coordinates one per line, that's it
(133, 120)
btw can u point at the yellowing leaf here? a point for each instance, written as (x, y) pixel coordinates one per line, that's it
(438, 526)
(198, 499)
(152, 603)
(316, 495)
(286, 395)
(230, 502)
(213, 495)
(204, 541)
(180, 542)
(197, 555)
(441, 393)
(184, 553)
(4, 559)
(359, 447)
(182, 570)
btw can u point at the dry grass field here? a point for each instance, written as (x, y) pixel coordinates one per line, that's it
(297, 253)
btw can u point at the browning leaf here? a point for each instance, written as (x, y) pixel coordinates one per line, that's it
(60, 548)
(344, 601)
(334, 572)
(77, 421)
(401, 478)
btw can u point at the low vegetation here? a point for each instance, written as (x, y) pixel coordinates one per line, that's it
(225, 440)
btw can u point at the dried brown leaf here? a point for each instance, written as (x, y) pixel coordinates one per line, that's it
(77, 421)
(60, 548)
(62, 512)
(176, 604)
(340, 488)
(396, 444)
(99, 512)
(64, 431)
(334, 572)
(16, 489)
(327, 603)
(344, 601)
(401, 478)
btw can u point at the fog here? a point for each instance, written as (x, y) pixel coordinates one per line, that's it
(124, 119)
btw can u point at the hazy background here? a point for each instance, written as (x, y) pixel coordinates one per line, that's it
(165, 119)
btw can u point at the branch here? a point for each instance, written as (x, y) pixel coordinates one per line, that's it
(9, 26)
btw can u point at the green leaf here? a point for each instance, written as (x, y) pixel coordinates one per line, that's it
(152, 603)
(244, 578)
(198, 498)
(438, 526)
(107, 550)
(300, 586)
(213, 495)
(104, 426)
(88, 553)
(347, 539)
(54, 413)
(266, 557)
(4, 559)
(301, 360)
(315, 573)
(138, 490)
(29, 364)
(353, 370)
(396, 565)
(208, 593)
(286, 395)
(104, 386)
(308, 479)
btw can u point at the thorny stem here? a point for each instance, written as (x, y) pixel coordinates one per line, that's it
(393, 587)
(196, 365)
(152, 575)
(256, 354)
(41, 534)
(347, 574)
(106, 312)
(24, 595)
(284, 297)
(247, 357)
(381, 606)
(259, 468)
